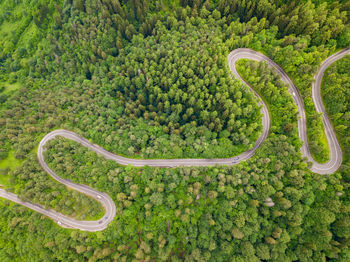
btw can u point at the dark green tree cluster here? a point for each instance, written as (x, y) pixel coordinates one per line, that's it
(179, 80)
(321, 21)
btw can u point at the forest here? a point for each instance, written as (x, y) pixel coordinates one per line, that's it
(150, 79)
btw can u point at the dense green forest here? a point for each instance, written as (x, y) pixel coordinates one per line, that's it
(149, 79)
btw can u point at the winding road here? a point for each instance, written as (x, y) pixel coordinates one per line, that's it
(110, 210)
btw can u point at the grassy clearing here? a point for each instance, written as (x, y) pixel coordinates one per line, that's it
(9, 163)
(4, 180)
(7, 28)
(9, 87)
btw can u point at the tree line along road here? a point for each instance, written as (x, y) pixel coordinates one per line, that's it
(110, 210)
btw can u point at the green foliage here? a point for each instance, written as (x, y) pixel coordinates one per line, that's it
(335, 93)
(200, 212)
(321, 21)
(178, 104)
(31, 183)
(300, 60)
(269, 85)
(23, 26)
(149, 79)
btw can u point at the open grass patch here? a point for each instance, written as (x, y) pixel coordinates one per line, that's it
(7, 28)
(10, 162)
(7, 164)
(6, 87)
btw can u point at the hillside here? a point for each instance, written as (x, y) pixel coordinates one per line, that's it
(151, 83)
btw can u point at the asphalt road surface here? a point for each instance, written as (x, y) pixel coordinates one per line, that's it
(335, 151)
(328, 168)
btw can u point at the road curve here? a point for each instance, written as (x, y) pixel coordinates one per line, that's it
(330, 167)
(335, 151)
(60, 219)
